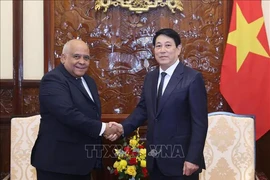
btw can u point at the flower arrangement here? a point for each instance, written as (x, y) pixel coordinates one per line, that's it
(131, 160)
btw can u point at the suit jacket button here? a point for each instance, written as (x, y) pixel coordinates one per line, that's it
(94, 108)
(155, 119)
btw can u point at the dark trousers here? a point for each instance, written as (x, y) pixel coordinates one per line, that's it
(156, 174)
(46, 175)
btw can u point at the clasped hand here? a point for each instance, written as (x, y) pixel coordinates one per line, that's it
(113, 131)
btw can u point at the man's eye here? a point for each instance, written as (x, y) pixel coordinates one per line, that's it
(168, 45)
(87, 58)
(76, 56)
(158, 46)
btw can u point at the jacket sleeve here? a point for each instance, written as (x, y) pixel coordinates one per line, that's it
(199, 117)
(138, 116)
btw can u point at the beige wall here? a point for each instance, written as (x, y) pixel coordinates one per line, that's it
(33, 55)
(33, 38)
(6, 53)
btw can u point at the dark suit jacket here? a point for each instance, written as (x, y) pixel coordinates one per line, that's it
(68, 138)
(177, 129)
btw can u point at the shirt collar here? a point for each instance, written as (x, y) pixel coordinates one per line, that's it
(171, 69)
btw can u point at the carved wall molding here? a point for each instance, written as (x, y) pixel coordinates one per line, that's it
(6, 101)
(30, 101)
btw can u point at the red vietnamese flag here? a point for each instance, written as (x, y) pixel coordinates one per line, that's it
(245, 72)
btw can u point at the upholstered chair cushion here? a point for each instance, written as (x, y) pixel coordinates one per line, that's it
(23, 135)
(230, 147)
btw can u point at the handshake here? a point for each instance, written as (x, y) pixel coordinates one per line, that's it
(113, 131)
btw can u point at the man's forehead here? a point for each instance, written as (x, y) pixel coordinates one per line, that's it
(80, 50)
(82, 54)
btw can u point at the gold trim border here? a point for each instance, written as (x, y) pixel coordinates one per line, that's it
(139, 6)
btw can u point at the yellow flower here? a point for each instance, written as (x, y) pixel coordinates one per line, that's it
(142, 153)
(143, 163)
(123, 163)
(131, 170)
(116, 164)
(133, 143)
(120, 168)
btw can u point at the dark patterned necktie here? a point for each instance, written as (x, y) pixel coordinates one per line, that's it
(80, 83)
(79, 80)
(160, 87)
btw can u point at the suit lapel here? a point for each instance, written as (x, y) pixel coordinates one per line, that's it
(154, 80)
(93, 91)
(73, 80)
(174, 81)
(80, 87)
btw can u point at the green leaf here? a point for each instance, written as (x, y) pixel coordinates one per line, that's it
(121, 175)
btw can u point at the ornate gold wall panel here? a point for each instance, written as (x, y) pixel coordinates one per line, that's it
(139, 6)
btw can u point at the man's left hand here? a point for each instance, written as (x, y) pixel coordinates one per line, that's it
(189, 168)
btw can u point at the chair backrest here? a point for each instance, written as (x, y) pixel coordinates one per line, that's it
(230, 147)
(23, 135)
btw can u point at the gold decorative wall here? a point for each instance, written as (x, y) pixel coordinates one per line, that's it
(139, 6)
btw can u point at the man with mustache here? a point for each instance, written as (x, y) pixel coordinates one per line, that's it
(68, 145)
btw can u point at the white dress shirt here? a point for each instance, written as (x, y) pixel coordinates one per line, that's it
(87, 89)
(103, 128)
(167, 78)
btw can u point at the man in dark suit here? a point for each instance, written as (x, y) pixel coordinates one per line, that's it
(68, 145)
(174, 101)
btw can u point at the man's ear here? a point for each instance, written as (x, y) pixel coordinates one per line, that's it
(63, 58)
(179, 47)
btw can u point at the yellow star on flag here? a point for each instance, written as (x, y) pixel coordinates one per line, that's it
(245, 38)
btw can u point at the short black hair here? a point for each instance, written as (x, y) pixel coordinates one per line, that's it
(170, 33)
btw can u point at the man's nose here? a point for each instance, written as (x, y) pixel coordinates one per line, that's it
(81, 60)
(162, 49)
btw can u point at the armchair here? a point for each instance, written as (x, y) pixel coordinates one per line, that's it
(230, 147)
(23, 135)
